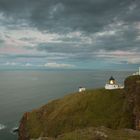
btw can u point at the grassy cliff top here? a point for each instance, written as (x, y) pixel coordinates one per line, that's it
(91, 108)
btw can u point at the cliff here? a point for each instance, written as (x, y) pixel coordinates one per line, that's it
(132, 94)
(113, 109)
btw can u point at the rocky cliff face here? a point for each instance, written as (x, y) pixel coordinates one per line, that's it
(23, 135)
(132, 92)
(109, 108)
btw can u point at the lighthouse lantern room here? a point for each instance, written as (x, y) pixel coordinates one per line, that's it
(112, 81)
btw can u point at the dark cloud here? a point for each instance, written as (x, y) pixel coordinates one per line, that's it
(68, 15)
(110, 25)
(123, 39)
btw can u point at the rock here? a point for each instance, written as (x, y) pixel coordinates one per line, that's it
(99, 135)
(132, 92)
(43, 138)
(23, 133)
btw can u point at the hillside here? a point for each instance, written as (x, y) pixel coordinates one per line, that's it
(98, 107)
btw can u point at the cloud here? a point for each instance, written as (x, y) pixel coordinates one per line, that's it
(10, 64)
(52, 65)
(72, 31)
(134, 61)
(28, 65)
(121, 57)
(58, 65)
(17, 64)
(65, 16)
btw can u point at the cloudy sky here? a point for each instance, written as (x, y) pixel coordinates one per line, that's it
(71, 34)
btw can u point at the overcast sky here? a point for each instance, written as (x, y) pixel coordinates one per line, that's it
(71, 34)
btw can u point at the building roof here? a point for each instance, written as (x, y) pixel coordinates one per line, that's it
(111, 78)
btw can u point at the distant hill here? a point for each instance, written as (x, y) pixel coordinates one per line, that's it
(79, 113)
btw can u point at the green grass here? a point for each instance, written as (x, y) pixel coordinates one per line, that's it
(92, 108)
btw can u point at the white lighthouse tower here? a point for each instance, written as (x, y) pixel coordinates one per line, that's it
(137, 73)
(111, 84)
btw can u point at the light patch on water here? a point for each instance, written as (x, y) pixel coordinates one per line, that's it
(14, 130)
(2, 126)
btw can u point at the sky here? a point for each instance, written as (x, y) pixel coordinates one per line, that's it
(70, 34)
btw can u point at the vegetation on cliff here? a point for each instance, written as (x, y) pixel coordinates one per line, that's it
(92, 108)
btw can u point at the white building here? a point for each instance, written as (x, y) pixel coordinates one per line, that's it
(81, 89)
(137, 73)
(112, 84)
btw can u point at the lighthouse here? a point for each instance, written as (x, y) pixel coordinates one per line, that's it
(111, 84)
(137, 73)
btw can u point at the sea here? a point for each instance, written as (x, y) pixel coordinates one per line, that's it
(25, 90)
